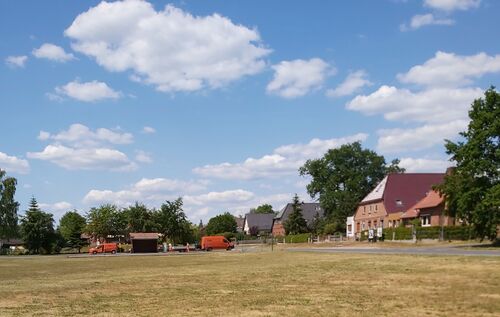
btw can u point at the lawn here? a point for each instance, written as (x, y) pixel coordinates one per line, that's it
(251, 284)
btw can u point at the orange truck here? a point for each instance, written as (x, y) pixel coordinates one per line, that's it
(104, 248)
(209, 243)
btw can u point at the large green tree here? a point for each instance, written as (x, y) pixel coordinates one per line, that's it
(172, 222)
(71, 227)
(105, 220)
(263, 209)
(343, 176)
(295, 223)
(472, 190)
(37, 229)
(221, 224)
(8, 207)
(139, 218)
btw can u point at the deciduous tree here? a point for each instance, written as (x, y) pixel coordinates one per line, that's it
(343, 176)
(8, 207)
(221, 224)
(172, 222)
(105, 220)
(472, 190)
(139, 218)
(263, 209)
(71, 227)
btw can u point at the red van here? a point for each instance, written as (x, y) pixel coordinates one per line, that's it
(104, 248)
(210, 243)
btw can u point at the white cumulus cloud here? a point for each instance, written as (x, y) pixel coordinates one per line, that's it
(80, 135)
(170, 49)
(452, 5)
(285, 160)
(398, 140)
(143, 157)
(52, 52)
(432, 105)
(91, 91)
(297, 78)
(147, 190)
(353, 83)
(81, 148)
(13, 164)
(16, 61)
(148, 130)
(420, 20)
(84, 158)
(424, 165)
(451, 70)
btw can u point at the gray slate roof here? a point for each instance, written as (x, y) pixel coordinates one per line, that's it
(264, 222)
(309, 211)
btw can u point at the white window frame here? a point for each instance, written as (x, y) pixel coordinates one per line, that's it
(425, 220)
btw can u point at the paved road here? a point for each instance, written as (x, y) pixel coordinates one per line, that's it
(415, 251)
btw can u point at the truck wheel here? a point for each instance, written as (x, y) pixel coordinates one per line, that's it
(113, 251)
(209, 249)
(94, 252)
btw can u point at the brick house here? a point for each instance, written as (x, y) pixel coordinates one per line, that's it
(430, 210)
(395, 194)
(309, 212)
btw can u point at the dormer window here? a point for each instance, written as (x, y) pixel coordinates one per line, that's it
(399, 203)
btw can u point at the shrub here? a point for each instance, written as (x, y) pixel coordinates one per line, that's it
(405, 233)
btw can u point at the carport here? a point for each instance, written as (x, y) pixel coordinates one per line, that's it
(144, 242)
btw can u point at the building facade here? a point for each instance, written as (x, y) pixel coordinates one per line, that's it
(385, 205)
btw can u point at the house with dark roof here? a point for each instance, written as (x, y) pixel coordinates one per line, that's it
(260, 223)
(240, 222)
(430, 211)
(309, 211)
(395, 194)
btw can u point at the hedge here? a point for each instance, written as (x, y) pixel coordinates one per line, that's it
(405, 233)
(297, 238)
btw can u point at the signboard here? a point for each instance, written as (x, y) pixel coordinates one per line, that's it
(379, 232)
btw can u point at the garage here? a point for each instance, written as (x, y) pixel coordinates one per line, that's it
(144, 242)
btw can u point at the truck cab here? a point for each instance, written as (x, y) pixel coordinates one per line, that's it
(209, 243)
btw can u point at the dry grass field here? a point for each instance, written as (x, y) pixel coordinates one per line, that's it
(251, 284)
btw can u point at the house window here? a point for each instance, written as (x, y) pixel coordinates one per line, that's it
(426, 220)
(363, 225)
(349, 228)
(382, 223)
(376, 208)
(369, 224)
(364, 209)
(375, 223)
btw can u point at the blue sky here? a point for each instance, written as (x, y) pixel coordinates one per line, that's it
(221, 101)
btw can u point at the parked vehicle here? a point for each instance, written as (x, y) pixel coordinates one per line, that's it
(209, 243)
(104, 248)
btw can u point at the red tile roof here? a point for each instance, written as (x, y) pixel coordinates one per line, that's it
(433, 199)
(402, 191)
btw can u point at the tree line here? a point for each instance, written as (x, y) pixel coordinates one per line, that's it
(339, 181)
